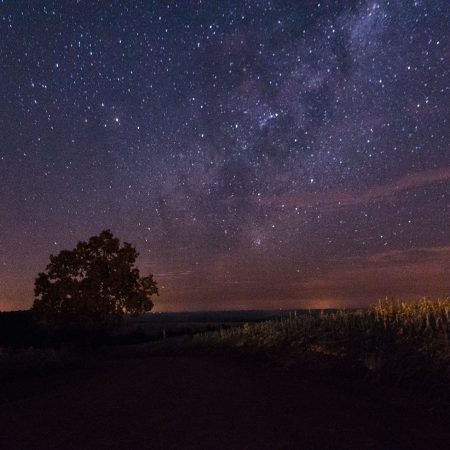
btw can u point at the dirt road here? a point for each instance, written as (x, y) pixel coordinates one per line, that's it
(210, 403)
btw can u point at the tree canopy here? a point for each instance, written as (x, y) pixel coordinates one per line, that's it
(92, 286)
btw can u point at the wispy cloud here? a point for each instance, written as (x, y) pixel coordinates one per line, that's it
(342, 198)
(174, 274)
(404, 273)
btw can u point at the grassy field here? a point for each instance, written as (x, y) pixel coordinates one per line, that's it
(231, 383)
(394, 340)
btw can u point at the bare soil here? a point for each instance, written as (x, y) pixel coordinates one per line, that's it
(202, 402)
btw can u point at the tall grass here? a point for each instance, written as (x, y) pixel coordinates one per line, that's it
(393, 339)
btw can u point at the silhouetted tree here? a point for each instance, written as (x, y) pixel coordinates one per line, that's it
(92, 287)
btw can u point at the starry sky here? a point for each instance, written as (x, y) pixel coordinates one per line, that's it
(259, 154)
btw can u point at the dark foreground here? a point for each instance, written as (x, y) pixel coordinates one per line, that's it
(211, 403)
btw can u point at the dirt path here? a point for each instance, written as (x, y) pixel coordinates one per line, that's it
(207, 403)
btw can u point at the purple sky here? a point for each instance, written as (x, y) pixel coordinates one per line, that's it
(259, 154)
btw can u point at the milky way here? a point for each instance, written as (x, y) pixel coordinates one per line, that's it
(259, 154)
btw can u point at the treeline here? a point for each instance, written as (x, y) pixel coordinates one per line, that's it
(18, 330)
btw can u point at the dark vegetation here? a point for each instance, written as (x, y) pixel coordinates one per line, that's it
(18, 329)
(403, 343)
(376, 378)
(394, 342)
(28, 349)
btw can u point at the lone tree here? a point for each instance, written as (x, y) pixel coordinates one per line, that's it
(92, 287)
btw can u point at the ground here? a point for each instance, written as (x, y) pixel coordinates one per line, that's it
(207, 402)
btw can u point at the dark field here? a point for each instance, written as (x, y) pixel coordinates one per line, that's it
(18, 330)
(374, 379)
(209, 402)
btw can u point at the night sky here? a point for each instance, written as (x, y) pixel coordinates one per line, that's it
(259, 154)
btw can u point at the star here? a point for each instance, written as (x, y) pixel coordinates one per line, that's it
(297, 147)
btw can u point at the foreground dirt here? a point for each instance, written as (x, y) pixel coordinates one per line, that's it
(210, 403)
